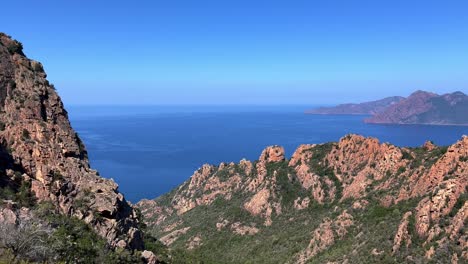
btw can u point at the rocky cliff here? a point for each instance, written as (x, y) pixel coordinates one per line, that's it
(353, 201)
(41, 155)
(426, 108)
(367, 108)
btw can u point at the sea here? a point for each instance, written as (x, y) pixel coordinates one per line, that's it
(149, 150)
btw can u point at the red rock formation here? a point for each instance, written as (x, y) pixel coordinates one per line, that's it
(272, 154)
(356, 174)
(402, 234)
(43, 147)
(358, 161)
(451, 164)
(325, 235)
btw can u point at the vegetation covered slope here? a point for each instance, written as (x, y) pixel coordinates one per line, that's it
(43, 161)
(354, 201)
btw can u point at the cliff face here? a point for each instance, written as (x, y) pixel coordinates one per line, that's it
(40, 150)
(355, 201)
(367, 108)
(426, 108)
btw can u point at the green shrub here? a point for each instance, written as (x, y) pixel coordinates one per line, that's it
(7, 193)
(74, 241)
(12, 84)
(401, 170)
(407, 155)
(289, 189)
(15, 47)
(154, 245)
(379, 211)
(57, 176)
(24, 196)
(25, 134)
(37, 67)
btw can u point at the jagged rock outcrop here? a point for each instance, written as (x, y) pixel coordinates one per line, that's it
(450, 165)
(349, 191)
(402, 235)
(301, 162)
(40, 148)
(325, 235)
(358, 162)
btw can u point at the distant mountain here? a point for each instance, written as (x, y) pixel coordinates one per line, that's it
(367, 108)
(426, 108)
(421, 107)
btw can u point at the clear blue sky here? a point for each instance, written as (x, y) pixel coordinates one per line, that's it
(244, 51)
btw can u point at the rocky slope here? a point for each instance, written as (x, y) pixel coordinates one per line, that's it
(353, 201)
(44, 160)
(367, 108)
(426, 108)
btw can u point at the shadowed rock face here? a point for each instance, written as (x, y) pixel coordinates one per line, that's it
(6, 69)
(39, 143)
(357, 190)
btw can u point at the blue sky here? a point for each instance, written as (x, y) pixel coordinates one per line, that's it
(243, 52)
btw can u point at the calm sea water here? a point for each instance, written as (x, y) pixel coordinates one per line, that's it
(150, 150)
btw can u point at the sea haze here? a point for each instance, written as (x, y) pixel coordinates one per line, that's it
(152, 149)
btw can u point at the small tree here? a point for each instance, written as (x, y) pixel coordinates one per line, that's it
(26, 241)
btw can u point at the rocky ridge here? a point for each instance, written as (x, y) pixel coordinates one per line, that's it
(42, 153)
(345, 191)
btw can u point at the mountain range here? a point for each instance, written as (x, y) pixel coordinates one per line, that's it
(419, 108)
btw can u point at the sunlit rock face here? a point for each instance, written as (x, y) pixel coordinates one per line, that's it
(378, 201)
(40, 146)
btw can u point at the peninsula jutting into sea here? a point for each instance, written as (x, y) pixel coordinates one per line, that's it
(419, 108)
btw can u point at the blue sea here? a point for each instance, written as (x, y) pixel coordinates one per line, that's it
(149, 150)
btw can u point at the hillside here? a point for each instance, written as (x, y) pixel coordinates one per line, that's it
(419, 108)
(426, 108)
(53, 206)
(352, 201)
(367, 108)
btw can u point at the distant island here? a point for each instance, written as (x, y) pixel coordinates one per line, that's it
(420, 107)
